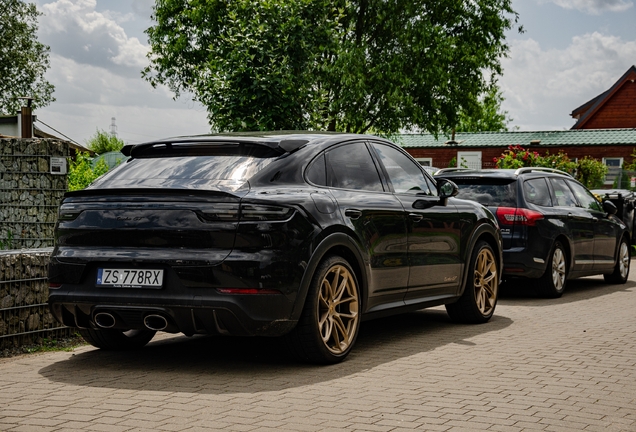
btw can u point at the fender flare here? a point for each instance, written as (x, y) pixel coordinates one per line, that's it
(484, 228)
(338, 239)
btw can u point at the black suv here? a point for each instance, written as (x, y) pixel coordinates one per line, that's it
(268, 234)
(553, 228)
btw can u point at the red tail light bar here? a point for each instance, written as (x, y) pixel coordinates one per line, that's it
(518, 216)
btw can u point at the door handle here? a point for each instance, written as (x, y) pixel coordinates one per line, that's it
(353, 214)
(570, 215)
(594, 219)
(415, 217)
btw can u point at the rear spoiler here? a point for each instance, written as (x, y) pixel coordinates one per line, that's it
(283, 146)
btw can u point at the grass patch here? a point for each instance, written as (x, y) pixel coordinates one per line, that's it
(46, 345)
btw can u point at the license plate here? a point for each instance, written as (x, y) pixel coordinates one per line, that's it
(127, 278)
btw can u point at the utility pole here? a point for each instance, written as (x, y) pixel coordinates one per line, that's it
(113, 127)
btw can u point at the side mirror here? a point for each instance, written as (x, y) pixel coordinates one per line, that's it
(445, 190)
(609, 207)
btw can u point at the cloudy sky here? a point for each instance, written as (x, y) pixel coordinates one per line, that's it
(571, 51)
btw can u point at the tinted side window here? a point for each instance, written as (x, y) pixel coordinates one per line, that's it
(536, 192)
(404, 174)
(350, 166)
(316, 173)
(585, 198)
(562, 193)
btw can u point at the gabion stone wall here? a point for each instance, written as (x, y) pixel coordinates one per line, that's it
(29, 193)
(24, 290)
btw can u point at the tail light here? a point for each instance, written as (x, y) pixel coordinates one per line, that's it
(246, 213)
(518, 216)
(251, 212)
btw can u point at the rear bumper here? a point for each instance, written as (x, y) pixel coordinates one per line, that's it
(189, 300)
(262, 315)
(522, 263)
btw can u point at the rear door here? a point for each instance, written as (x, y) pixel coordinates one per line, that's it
(578, 221)
(375, 216)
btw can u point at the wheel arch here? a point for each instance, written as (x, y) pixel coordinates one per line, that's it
(490, 235)
(565, 242)
(334, 244)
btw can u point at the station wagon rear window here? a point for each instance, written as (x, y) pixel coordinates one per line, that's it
(488, 191)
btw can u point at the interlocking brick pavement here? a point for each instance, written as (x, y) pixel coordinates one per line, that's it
(539, 365)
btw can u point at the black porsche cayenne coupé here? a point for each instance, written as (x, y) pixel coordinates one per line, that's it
(297, 234)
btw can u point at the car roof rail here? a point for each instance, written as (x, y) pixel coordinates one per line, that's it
(443, 170)
(541, 169)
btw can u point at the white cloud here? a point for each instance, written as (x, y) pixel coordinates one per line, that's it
(74, 29)
(88, 96)
(96, 70)
(542, 87)
(594, 7)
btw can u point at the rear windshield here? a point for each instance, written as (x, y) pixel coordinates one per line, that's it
(489, 192)
(225, 172)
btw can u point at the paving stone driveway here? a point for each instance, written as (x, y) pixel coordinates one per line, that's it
(549, 365)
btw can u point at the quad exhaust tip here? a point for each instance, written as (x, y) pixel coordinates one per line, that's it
(104, 320)
(155, 322)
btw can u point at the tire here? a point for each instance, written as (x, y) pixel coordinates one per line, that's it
(552, 283)
(477, 303)
(117, 340)
(621, 270)
(330, 321)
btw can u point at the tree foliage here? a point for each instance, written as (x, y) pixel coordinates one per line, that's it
(346, 65)
(486, 115)
(81, 172)
(23, 60)
(103, 142)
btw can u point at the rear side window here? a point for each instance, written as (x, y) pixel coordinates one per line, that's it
(536, 192)
(562, 193)
(488, 191)
(316, 173)
(350, 166)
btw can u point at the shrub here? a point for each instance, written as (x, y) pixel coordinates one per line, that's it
(81, 173)
(591, 172)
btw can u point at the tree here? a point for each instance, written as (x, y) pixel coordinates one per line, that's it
(354, 66)
(486, 115)
(103, 142)
(23, 60)
(81, 172)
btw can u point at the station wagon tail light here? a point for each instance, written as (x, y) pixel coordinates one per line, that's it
(518, 216)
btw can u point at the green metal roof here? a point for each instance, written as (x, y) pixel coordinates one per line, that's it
(583, 137)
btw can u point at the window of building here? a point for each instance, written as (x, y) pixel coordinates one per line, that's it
(425, 161)
(614, 165)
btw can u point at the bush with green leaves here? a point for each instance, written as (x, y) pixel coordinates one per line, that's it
(81, 172)
(591, 172)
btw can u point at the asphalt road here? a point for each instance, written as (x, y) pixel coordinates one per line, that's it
(548, 365)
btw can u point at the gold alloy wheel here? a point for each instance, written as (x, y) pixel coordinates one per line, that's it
(338, 309)
(486, 281)
(624, 260)
(558, 269)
